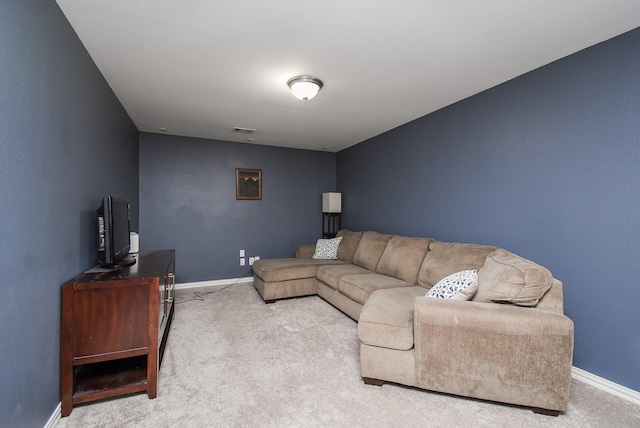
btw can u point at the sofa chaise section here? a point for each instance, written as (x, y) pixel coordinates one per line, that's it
(289, 277)
(296, 277)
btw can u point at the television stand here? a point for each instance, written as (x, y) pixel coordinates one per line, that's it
(114, 327)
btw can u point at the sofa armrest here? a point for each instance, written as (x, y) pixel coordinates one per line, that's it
(494, 352)
(305, 251)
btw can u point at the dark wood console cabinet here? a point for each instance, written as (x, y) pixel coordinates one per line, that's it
(114, 328)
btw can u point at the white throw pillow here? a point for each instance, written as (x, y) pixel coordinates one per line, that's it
(327, 249)
(458, 286)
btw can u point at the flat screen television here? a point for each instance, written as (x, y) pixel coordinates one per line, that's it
(114, 223)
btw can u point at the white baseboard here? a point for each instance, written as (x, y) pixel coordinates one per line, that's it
(55, 417)
(214, 283)
(606, 385)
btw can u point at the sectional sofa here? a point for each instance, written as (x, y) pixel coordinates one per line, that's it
(464, 319)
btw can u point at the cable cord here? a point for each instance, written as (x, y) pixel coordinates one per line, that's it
(199, 295)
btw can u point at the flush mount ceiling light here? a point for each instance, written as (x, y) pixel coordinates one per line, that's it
(305, 87)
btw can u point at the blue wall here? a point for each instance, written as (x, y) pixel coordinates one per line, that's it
(65, 141)
(546, 165)
(188, 202)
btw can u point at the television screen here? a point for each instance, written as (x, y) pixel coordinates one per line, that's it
(113, 233)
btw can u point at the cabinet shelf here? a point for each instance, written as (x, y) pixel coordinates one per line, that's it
(109, 379)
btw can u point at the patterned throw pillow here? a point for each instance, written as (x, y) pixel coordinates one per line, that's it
(458, 286)
(327, 249)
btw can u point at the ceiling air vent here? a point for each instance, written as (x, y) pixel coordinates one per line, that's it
(243, 130)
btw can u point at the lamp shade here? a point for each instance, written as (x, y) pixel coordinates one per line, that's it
(332, 202)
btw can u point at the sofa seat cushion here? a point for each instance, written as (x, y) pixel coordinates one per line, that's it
(445, 258)
(360, 287)
(386, 319)
(402, 257)
(331, 274)
(276, 270)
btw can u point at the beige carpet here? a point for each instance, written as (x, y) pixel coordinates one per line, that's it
(232, 361)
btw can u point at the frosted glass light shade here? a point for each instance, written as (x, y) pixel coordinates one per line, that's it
(305, 87)
(332, 202)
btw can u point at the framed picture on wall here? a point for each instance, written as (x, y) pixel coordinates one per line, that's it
(248, 184)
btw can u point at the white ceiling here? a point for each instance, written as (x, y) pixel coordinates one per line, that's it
(202, 67)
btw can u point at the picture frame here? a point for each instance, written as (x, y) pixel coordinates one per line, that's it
(248, 184)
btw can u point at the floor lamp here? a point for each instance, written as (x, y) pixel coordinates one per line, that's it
(331, 214)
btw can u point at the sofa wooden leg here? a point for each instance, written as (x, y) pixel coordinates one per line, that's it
(371, 381)
(546, 412)
(270, 301)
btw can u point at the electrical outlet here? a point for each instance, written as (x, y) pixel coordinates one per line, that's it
(251, 260)
(242, 261)
(256, 258)
(241, 253)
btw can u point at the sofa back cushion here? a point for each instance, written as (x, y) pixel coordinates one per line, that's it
(553, 299)
(348, 245)
(402, 257)
(508, 278)
(445, 258)
(370, 250)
